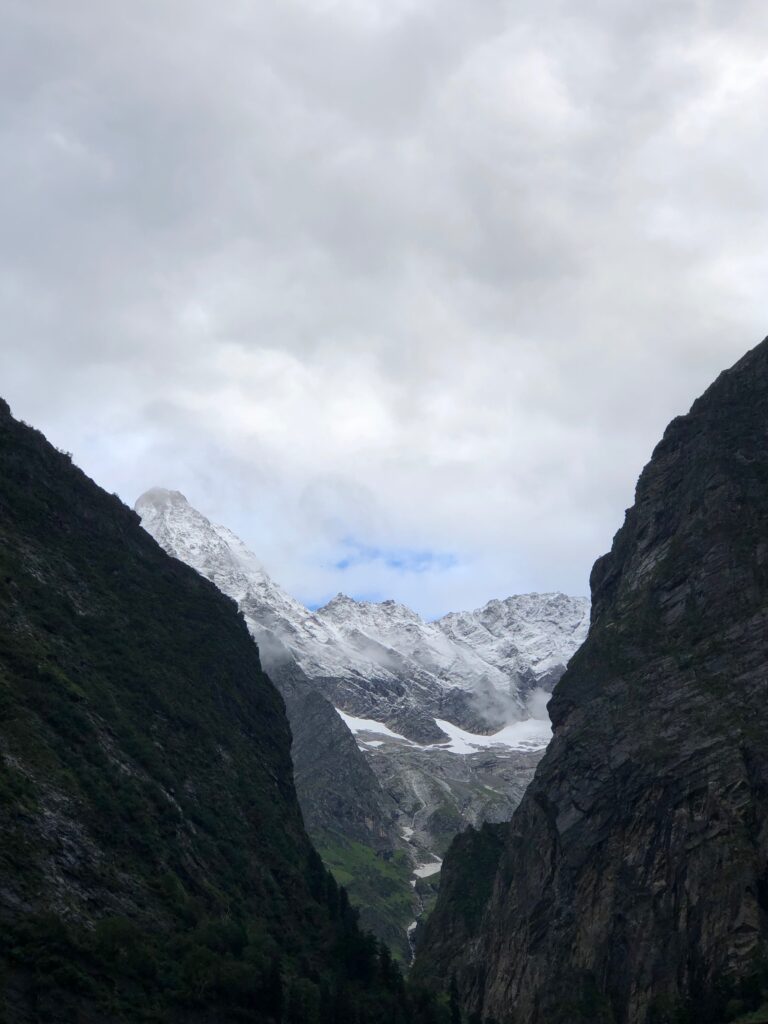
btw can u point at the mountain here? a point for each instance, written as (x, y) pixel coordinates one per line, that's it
(381, 660)
(530, 638)
(440, 711)
(154, 865)
(631, 885)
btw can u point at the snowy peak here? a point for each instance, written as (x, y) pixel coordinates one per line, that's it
(343, 608)
(381, 660)
(182, 530)
(532, 635)
(217, 554)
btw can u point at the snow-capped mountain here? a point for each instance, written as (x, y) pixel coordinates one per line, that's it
(382, 661)
(530, 637)
(442, 723)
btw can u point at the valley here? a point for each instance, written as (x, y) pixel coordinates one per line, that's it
(444, 721)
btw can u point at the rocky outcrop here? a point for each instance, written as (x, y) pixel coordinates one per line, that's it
(633, 882)
(439, 793)
(338, 790)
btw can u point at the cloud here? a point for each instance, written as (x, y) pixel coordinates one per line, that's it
(432, 276)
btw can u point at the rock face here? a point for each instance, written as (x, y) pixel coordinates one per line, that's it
(153, 863)
(337, 788)
(528, 637)
(633, 881)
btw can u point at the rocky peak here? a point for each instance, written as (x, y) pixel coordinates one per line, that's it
(162, 497)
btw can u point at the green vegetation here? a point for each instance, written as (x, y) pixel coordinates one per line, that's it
(230, 965)
(380, 884)
(465, 885)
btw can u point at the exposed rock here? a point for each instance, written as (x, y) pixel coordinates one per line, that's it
(633, 883)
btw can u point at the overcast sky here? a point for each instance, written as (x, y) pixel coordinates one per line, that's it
(403, 291)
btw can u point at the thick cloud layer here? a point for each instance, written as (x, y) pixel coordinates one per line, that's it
(404, 291)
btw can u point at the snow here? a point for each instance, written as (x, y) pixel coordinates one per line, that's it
(425, 870)
(532, 734)
(357, 725)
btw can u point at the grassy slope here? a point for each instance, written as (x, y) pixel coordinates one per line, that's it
(377, 883)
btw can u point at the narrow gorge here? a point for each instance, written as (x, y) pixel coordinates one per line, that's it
(405, 731)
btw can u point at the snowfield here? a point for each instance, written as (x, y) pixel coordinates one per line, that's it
(531, 734)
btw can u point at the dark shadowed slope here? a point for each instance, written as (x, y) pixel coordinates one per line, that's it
(153, 863)
(633, 883)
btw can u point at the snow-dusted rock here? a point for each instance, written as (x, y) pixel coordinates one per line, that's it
(382, 660)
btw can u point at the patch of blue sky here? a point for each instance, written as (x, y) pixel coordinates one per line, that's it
(405, 560)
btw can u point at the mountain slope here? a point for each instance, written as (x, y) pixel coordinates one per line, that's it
(529, 637)
(343, 803)
(633, 881)
(404, 687)
(154, 863)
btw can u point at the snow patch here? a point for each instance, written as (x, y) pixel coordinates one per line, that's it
(532, 734)
(425, 870)
(357, 725)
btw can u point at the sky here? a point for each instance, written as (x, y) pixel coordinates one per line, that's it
(402, 291)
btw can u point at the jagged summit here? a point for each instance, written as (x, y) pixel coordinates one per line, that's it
(532, 635)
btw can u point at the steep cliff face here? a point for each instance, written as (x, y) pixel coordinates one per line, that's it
(351, 819)
(337, 789)
(349, 816)
(153, 859)
(633, 883)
